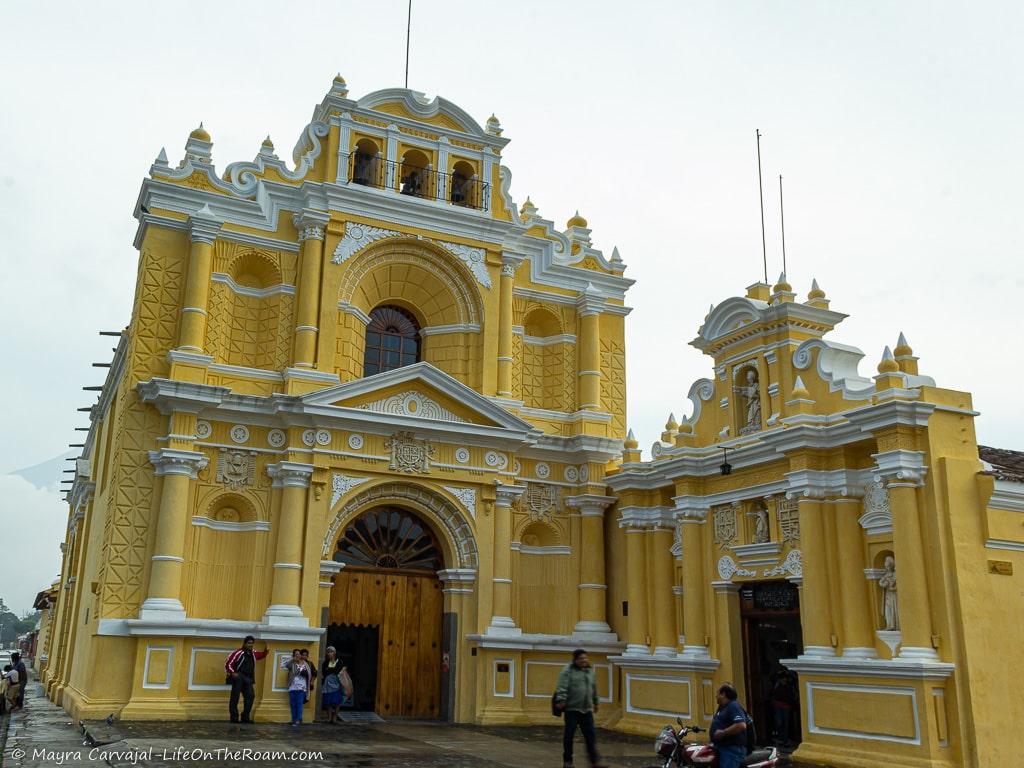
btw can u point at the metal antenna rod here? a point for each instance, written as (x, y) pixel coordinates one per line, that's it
(760, 192)
(782, 218)
(408, 27)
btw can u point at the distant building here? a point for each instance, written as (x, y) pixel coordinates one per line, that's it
(364, 400)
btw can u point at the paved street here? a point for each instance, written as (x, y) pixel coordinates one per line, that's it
(43, 735)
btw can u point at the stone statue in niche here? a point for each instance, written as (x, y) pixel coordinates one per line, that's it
(890, 608)
(760, 515)
(751, 394)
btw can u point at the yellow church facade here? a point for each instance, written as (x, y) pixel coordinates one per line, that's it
(365, 400)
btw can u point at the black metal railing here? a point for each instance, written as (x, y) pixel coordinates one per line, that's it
(406, 179)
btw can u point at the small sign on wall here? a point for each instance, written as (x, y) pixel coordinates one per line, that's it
(1000, 567)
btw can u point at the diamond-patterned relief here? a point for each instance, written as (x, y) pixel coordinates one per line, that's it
(613, 384)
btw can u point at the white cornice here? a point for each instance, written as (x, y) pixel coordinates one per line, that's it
(877, 668)
(259, 293)
(1007, 495)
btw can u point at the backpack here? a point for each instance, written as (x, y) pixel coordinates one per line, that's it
(751, 732)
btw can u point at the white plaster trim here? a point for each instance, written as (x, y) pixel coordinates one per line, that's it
(435, 330)
(342, 484)
(167, 559)
(630, 677)
(546, 341)
(698, 661)
(560, 664)
(907, 669)
(511, 678)
(527, 549)
(289, 566)
(1007, 495)
(278, 655)
(258, 293)
(812, 727)
(222, 525)
(567, 418)
(170, 666)
(344, 306)
(1013, 546)
(192, 685)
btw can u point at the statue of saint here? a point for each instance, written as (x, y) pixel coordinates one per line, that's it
(761, 532)
(890, 609)
(752, 393)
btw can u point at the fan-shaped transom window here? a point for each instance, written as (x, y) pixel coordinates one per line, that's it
(391, 538)
(392, 340)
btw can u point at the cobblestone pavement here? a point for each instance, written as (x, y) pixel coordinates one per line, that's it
(43, 735)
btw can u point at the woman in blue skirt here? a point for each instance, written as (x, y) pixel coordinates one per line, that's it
(332, 693)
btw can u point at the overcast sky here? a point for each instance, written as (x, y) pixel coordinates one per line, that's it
(897, 127)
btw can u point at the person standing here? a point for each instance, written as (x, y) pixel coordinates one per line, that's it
(298, 684)
(22, 671)
(12, 686)
(332, 684)
(728, 729)
(312, 678)
(784, 701)
(241, 672)
(576, 696)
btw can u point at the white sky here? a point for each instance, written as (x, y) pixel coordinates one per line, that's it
(896, 125)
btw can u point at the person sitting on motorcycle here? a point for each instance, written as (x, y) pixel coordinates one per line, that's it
(728, 729)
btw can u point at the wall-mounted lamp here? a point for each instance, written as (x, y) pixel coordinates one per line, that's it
(726, 467)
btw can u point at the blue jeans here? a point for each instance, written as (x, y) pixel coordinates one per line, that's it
(296, 699)
(731, 756)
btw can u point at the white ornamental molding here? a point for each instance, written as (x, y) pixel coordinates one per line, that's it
(584, 473)
(792, 565)
(203, 430)
(323, 437)
(462, 454)
(727, 568)
(412, 404)
(877, 517)
(276, 438)
(543, 470)
(466, 497)
(356, 442)
(236, 469)
(357, 237)
(572, 474)
(409, 454)
(309, 437)
(495, 459)
(473, 258)
(169, 461)
(342, 484)
(239, 434)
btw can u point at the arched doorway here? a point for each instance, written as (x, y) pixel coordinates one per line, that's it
(386, 612)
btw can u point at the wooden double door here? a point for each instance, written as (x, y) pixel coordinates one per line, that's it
(386, 626)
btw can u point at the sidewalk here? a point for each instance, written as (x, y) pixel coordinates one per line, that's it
(43, 735)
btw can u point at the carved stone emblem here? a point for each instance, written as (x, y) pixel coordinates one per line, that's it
(409, 454)
(789, 519)
(725, 525)
(539, 500)
(236, 469)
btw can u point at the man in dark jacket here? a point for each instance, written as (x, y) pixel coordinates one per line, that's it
(19, 665)
(241, 672)
(576, 696)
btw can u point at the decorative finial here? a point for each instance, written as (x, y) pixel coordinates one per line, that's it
(200, 133)
(799, 390)
(902, 347)
(338, 86)
(576, 221)
(782, 285)
(671, 424)
(267, 142)
(888, 363)
(529, 210)
(493, 126)
(616, 259)
(631, 441)
(815, 292)
(267, 147)
(161, 159)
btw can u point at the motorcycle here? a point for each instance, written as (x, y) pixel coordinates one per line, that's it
(672, 747)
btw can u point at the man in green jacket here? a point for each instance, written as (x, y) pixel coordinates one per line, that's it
(576, 696)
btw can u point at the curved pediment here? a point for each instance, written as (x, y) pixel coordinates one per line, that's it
(416, 106)
(728, 316)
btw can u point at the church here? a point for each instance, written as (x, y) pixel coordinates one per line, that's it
(366, 399)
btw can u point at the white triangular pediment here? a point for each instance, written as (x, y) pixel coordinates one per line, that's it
(421, 398)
